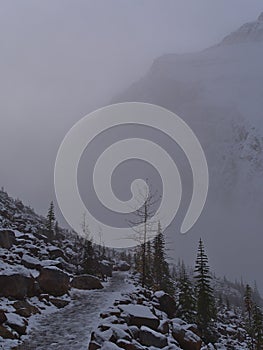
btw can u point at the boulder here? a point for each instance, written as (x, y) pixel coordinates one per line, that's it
(59, 303)
(6, 334)
(123, 266)
(17, 323)
(86, 282)
(25, 309)
(30, 262)
(2, 317)
(7, 238)
(149, 337)
(167, 303)
(140, 315)
(55, 253)
(107, 345)
(127, 345)
(17, 286)
(186, 338)
(53, 281)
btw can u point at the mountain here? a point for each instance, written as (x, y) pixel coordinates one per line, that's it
(218, 92)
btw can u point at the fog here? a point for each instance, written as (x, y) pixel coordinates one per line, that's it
(62, 59)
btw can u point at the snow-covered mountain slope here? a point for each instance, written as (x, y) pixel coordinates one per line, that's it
(219, 93)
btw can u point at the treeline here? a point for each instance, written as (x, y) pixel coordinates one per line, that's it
(194, 293)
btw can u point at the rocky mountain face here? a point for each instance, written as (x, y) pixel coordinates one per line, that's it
(218, 92)
(252, 31)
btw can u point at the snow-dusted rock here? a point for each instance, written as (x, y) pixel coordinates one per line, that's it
(17, 323)
(166, 303)
(186, 338)
(86, 282)
(25, 309)
(150, 337)
(140, 315)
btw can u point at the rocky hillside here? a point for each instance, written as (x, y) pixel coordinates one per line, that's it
(39, 267)
(145, 320)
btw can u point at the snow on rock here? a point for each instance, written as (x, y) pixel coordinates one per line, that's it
(149, 337)
(139, 315)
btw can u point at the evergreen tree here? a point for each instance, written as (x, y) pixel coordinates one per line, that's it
(51, 218)
(257, 325)
(161, 273)
(186, 308)
(249, 314)
(206, 311)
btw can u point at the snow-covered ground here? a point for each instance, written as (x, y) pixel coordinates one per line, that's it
(70, 328)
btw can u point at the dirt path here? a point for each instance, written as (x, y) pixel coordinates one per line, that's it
(70, 328)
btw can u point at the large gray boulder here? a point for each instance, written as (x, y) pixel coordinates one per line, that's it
(86, 282)
(53, 281)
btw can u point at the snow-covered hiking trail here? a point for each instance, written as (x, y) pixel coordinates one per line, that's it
(70, 328)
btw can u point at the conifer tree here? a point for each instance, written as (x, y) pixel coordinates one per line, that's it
(51, 217)
(161, 273)
(257, 325)
(186, 308)
(249, 313)
(206, 312)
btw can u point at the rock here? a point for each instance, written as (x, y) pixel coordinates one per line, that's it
(53, 281)
(6, 334)
(30, 262)
(59, 303)
(86, 282)
(55, 253)
(2, 317)
(127, 345)
(123, 266)
(149, 337)
(134, 331)
(7, 238)
(16, 286)
(119, 333)
(164, 327)
(25, 309)
(17, 323)
(94, 346)
(139, 315)
(107, 345)
(167, 303)
(186, 338)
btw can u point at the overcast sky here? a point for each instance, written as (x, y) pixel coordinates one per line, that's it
(61, 59)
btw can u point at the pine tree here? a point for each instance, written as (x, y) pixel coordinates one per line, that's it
(206, 311)
(51, 218)
(186, 308)
(257, 325)
(161, 273)
(249, 313)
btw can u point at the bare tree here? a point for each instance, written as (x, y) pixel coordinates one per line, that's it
(144, 226)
